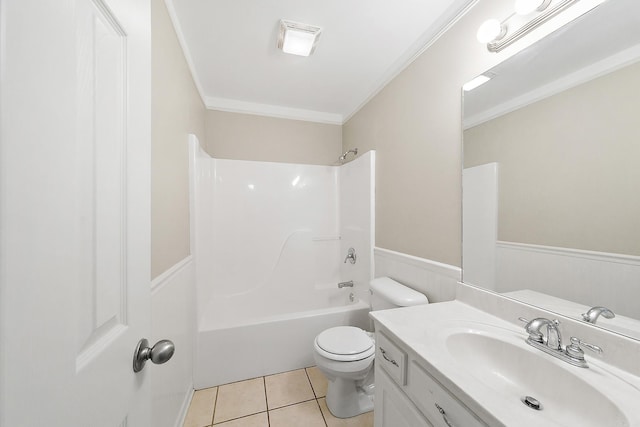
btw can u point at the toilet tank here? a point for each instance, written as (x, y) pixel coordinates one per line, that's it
(387, 293)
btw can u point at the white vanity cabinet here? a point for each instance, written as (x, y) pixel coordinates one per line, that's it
(407, 395)
(392, 407)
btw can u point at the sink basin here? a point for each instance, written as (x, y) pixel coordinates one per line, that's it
(511, 369)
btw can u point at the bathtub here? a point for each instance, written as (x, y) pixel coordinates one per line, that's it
(269, 242)
(240, 337)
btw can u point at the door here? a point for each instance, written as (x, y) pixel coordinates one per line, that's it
(74, 211)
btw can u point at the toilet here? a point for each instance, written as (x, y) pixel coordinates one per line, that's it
(345, 354)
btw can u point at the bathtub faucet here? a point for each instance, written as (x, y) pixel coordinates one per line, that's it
(348, 284)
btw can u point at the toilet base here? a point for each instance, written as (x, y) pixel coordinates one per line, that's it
(348, 398)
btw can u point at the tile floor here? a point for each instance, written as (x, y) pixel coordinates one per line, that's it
(290, 399)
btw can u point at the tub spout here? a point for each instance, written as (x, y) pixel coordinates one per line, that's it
(348, 284)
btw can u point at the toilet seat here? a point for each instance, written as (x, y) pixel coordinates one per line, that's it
(344, 344)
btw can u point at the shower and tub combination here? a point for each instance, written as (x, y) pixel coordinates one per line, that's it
(271, 243)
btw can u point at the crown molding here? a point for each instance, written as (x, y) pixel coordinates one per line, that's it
(235, 106)
(437, 29)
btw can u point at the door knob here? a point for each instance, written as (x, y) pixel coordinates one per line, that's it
(158, 354)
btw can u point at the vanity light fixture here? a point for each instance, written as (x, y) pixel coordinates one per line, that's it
(472, 84)
(298, 39)
(528, 15)
(525, 7)
(490, 30)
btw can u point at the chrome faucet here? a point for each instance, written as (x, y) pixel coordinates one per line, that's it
(348, 284)
(553, 337)
(552, 344)
(592, 315)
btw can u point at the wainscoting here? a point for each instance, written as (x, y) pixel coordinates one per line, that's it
(436, 280)
(173, 317)
(599, 278)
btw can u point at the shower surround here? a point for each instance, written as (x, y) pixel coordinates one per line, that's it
(269, 242)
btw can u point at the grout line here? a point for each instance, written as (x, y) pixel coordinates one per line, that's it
(255, 378)
(239, 418)
(321, 413)
(236, 382)
(215, 403)
(310, 382)
(264, 385)
(286, 372)
(292, 404)
(266, 399)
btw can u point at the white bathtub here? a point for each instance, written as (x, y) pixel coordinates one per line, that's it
(269, 242)
(241, 337)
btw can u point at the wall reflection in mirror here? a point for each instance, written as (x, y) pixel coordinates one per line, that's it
(551, 199)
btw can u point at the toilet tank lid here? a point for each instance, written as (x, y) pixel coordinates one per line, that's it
(397, 293)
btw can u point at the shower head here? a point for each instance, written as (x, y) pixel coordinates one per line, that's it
(344, 155)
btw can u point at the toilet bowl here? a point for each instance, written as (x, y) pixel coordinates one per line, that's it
(345, 354)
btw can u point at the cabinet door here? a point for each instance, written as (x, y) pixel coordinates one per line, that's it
(392, 407)
(433, 400)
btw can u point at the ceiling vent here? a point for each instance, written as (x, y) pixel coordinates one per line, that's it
(298, 39)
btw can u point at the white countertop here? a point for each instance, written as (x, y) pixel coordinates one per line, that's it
(421, 329)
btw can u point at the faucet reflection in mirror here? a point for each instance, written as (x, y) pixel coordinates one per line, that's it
(591, 316)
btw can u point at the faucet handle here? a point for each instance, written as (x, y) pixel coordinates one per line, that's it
(351, 256)
(574, 350)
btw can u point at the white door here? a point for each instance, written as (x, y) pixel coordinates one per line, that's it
(74, 211)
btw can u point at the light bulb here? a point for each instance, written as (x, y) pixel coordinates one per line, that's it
(525, 7)
(472, 84)
(489, 30)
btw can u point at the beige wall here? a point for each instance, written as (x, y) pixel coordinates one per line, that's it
(177, 110)
(251, 137)
(569, 166)
(414, 123)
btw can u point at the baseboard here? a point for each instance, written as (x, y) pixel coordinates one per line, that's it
(185, 407)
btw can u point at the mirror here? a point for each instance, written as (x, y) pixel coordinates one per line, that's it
(551, 180)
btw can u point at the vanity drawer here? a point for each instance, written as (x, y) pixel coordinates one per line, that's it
(434, 400)
(392, 359)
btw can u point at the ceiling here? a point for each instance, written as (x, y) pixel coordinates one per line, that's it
(230, 46)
